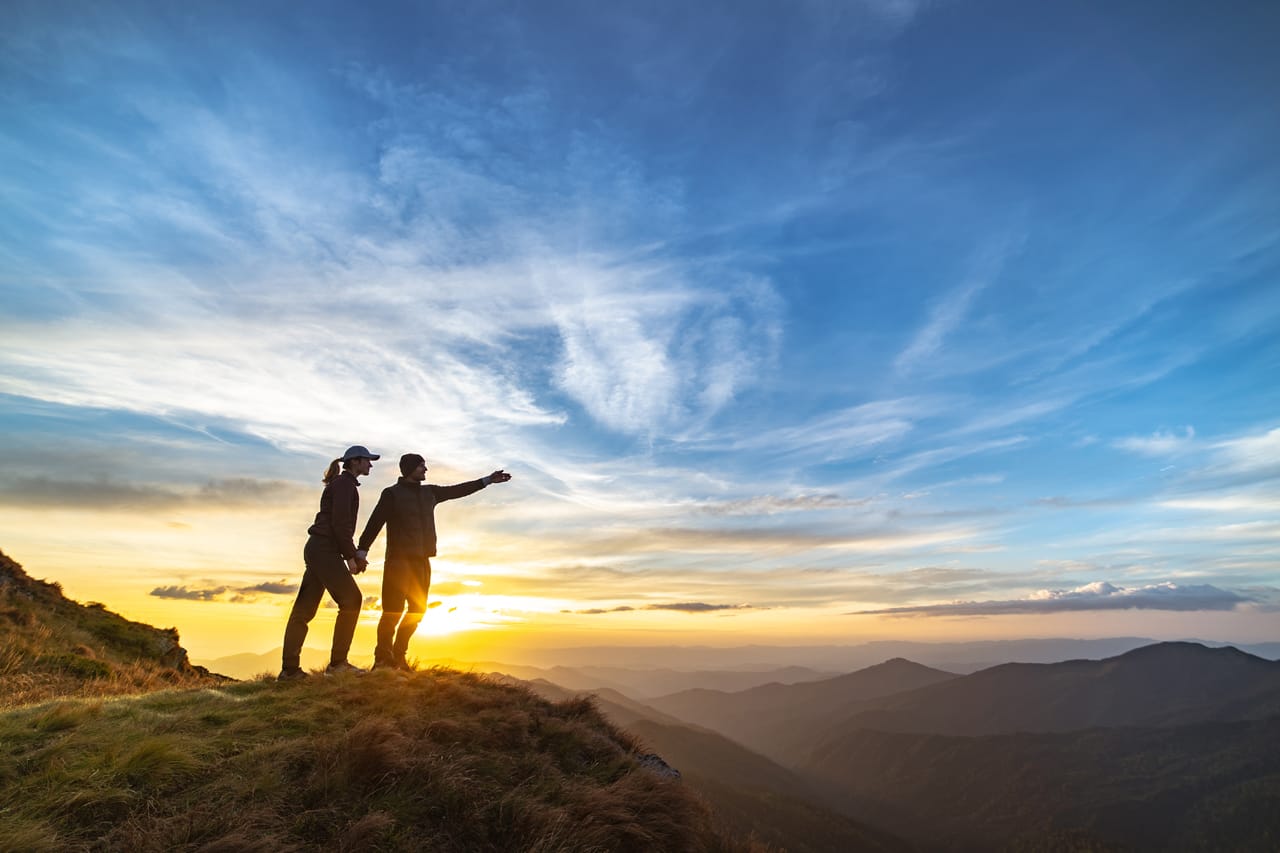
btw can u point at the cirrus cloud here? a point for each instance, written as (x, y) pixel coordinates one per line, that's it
(1160, 443)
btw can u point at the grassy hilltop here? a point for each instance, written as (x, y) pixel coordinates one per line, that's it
(436, 760)
(433, 760)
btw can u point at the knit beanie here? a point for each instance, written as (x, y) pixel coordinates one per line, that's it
(409, 462)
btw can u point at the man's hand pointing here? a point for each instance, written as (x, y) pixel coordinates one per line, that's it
(499, 476)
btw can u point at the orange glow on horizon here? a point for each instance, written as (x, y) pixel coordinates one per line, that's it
(482, 606)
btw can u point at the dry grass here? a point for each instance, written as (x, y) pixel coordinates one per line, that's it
(28, 688)
(437, 760)
(51, 647)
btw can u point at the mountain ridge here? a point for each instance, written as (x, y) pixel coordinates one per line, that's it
(1162, 684)
(777, 719)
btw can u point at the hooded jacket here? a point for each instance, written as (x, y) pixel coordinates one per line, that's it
(408, 510)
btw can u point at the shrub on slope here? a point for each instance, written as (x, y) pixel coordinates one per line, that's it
(436, 760)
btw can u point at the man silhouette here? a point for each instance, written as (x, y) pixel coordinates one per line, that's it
(408, 510)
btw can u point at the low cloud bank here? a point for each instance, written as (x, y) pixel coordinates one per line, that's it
(238, 594)
(679, 606)
(1099, 595)
(107, 494)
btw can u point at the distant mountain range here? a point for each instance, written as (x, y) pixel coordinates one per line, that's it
(647, 672)
(1171, 746)
(753, 797)
(958, 657)
(646, 683)
(1161, 685)
(779, 720)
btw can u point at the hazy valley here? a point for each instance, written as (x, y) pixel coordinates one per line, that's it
(1168, 746)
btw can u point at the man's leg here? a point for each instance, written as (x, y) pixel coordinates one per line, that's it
(393, 601)
(416, 586)
(310, 593)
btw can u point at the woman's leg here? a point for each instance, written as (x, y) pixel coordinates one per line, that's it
(310, 593)
(336, 577)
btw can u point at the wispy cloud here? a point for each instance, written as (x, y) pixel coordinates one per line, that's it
(1099, 595)
(946, 315)
(773, 505)
(846, 433)
(1243, 460)
(679, 606)
(692, 540)
(653, 354)
(1161, 443)
(453, 230)
(1234, 502)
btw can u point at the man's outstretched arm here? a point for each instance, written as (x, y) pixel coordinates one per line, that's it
(461, 490)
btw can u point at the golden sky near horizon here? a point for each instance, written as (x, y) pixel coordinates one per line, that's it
(492, 598)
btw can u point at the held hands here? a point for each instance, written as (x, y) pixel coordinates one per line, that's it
(499, 476)
(356, 565)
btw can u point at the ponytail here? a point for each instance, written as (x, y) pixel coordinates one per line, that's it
(332, 473)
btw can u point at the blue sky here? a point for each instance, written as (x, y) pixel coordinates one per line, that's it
(806, 312)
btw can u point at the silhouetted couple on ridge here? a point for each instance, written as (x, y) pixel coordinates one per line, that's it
(331, 556)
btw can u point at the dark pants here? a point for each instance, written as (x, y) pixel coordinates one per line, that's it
(404, 602)
(325, 571)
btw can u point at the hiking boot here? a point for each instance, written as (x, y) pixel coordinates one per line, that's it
(343, 668)
(291, 673)
(384, 664)
(402, 664)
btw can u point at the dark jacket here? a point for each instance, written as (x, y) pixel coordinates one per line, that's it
(408, 509)
(336, 520)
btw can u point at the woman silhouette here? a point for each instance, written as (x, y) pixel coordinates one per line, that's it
(330, 558)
